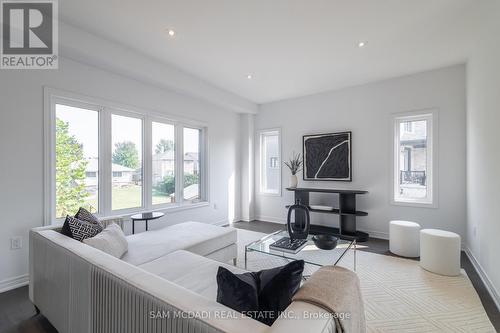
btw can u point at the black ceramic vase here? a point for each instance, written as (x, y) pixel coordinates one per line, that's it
(299, 227)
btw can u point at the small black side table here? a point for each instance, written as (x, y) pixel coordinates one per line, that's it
(145, 217)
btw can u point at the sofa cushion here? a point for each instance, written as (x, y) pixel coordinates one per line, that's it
(191, 271)
(111, 240)
(196, 237)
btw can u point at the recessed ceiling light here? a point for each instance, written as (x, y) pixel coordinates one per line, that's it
(361, 44)
(249, 76)
(171, 32)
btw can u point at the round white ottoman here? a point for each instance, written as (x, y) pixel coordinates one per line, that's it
(404, 238)
(440, 251)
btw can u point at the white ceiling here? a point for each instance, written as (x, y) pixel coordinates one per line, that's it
(291, 47)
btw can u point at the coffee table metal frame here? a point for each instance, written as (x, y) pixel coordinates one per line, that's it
(351, 244)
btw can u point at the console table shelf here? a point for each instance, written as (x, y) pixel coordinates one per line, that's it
(335, 211)
(347, 212)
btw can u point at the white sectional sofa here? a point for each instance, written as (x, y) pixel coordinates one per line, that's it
(165, 283)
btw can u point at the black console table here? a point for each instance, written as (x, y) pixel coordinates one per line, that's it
(346, 211)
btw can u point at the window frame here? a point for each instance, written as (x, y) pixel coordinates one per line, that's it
(263, 162)
(431, 116)
(105, 111)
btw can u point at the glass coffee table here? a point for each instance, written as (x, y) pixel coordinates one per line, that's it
(311, 254)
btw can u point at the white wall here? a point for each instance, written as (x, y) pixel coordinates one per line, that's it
(247, 146)
(483, 151)
(21, 148)
(366, 111)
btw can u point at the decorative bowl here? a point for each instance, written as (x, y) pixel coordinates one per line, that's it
(325, 242)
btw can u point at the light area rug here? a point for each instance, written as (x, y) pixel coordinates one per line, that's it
(399, 295)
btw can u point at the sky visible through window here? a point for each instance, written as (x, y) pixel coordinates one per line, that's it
(80, 120)
(162, 131)
(127, 129)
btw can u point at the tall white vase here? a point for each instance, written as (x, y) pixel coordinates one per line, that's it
(293, 181)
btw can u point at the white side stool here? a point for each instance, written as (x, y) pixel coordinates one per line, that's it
(440, 251)
(404, 238)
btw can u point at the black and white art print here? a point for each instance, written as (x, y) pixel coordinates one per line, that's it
(327, 156)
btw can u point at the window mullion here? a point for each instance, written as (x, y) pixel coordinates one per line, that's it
(397, 172)
(430, 159)
(147, 169)
(179, 164)
(203, 164)
(104, 161)
(50, 163)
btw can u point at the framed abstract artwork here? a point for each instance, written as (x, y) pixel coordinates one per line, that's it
(327, 156)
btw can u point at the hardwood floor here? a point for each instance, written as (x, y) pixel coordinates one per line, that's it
(18, 315)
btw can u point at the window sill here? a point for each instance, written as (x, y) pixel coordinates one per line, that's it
(270, 194)
(179, 208)
(165, 209)
(414, 204)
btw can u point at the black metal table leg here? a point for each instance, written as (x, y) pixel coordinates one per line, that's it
(146, 217)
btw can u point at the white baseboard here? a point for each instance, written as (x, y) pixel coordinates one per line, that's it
(13, 283)
(225, 222)
(484, 277)
(271, 219)
(376, 234)
(372, 233)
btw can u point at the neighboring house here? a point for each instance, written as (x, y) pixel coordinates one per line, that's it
(413, 152)
(164, 165)
(191, 164)
(413, 158)
(121, 175)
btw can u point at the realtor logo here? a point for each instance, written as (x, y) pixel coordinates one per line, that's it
(29, 34)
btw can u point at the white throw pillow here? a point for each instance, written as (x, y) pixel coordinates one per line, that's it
(111, 240)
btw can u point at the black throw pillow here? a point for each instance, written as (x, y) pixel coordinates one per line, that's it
(82, 215)
(66, 230)
(81, 230)
(261, 295)
(277, 287)
(85, 215)
(239, 292)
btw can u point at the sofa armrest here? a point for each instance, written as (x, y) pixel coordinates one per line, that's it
(303, 317)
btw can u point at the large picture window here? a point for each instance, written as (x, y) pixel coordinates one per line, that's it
(115, 161)
(414, 150)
